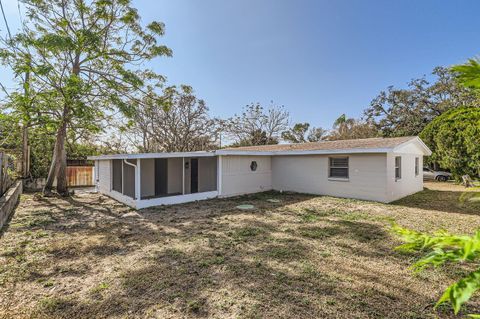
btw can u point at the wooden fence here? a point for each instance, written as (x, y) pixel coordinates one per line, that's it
(6, 172)
(80, 176)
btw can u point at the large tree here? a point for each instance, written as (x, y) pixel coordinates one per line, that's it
(87, 55)
(302, 133)
(345, 128)
(454, 139)
(257, 125)
(175, 122)
(402, 112)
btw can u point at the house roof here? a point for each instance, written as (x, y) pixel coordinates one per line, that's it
(366, 145)
(152, 155)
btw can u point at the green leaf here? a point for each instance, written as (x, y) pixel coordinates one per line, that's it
(461, 291)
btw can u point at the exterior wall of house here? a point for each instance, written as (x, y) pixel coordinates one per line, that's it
(409, 183)
(104, 176)
(309, 174)
(207, 174)
(237, 177)
(147, 177)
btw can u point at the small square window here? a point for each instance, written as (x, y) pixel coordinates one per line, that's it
(338, 167)
(417, 166)
(398, 167)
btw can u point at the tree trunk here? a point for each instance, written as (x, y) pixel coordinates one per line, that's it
(58, 166)
(25, 154)
(25, 150)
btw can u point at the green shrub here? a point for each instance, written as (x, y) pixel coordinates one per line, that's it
(453, 138)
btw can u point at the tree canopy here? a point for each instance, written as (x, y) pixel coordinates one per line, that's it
(179, 123)
(302, 133)
(257, 125)
(87, 58)
(453, 138)
(349, 128)
(405, 112)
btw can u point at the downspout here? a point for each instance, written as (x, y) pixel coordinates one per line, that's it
(183, 175)
(96, 175)
(219, 176)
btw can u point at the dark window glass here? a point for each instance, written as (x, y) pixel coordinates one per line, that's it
(417, 166)
(338, 167)
(398, 167)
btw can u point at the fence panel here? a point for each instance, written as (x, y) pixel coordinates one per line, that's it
(80, 176)
(6, 171)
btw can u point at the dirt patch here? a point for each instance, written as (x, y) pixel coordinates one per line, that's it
(299, 257)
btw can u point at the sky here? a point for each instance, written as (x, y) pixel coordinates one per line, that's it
(318, 58)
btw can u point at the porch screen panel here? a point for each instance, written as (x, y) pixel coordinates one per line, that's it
(129, 179)
(117, 175)
(161, 176)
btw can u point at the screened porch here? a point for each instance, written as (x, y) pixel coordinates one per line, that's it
(165, 180)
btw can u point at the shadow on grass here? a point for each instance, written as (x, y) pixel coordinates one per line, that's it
(444, 201)
(256, 273)
(209, 259)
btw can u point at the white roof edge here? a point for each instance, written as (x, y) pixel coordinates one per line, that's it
(306, 152)
(426, 149)
(152, 155)
(427, 152)
(232, 152)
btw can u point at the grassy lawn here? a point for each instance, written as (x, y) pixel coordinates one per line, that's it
(304, 257)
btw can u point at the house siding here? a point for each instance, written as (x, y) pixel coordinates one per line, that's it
(104, 179)
(309, 174)
(408, 183)
(237, 177)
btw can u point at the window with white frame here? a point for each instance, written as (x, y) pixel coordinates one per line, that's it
(398, 167)
(417, 166)
(338, 167)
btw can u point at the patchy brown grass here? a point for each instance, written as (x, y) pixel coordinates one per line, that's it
(305, 257)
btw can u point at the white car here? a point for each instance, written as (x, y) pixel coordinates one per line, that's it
(441, 176)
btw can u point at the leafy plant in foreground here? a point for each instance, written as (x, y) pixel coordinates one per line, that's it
(441, 248)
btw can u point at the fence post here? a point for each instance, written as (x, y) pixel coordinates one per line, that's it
(2, 174)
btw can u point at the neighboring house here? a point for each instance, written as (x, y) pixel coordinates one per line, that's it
(377, 169)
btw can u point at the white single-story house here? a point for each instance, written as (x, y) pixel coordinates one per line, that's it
(377, 169)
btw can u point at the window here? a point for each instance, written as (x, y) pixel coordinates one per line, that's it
(398, 167)
(338, 167)
(253, 166)
(417, 166)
